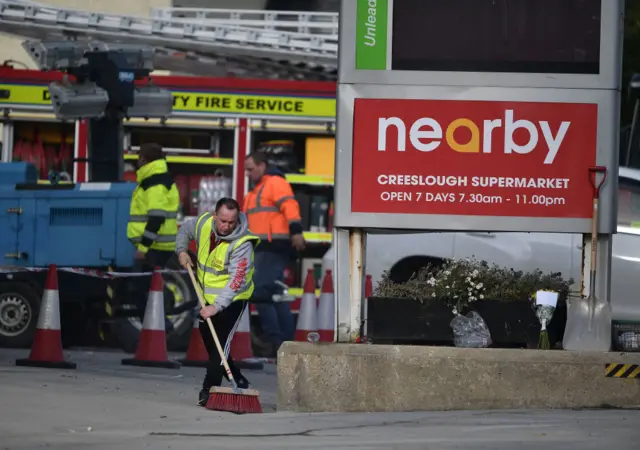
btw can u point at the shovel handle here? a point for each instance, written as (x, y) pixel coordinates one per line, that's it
(593, 178)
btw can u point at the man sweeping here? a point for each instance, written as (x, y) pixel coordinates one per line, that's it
(225, 274)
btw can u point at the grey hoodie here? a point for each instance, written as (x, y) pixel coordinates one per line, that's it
(187, 233)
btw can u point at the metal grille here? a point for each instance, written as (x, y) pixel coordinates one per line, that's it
(91, 217)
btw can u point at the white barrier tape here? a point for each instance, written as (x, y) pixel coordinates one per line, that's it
(86, 272)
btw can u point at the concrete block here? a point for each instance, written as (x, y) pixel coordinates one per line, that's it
(378, 378)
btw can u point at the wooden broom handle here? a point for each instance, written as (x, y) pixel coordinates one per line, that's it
(196, 287)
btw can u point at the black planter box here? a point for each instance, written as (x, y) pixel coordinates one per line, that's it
(408, 321)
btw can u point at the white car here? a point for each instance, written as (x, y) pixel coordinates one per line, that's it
(550, 252)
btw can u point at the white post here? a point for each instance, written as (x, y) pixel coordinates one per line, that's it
(7, 142)
(349, 269)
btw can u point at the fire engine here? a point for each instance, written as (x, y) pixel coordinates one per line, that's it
(214, 123)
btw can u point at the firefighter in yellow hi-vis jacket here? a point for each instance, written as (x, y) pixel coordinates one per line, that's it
(153, 218)
(225, 274)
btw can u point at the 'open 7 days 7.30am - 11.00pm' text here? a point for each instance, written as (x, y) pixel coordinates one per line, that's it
(468, 185)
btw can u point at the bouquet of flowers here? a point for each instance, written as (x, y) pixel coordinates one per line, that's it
(546, 302)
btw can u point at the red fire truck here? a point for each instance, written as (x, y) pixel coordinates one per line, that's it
(215, 123)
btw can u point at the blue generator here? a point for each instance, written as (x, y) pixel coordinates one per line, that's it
(70, 225)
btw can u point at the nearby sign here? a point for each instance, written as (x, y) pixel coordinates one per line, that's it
(207, 102)
(480, 158)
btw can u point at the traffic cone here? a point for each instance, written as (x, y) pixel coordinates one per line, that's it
(326, 309)
(152, 347)
(307, 326)
(197, 355)
(46, 350)
(240, 349)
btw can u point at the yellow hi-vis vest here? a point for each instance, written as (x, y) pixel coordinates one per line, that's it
(213, 268)
(154, 208)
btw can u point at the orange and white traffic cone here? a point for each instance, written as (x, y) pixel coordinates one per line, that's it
(326, 309)
(197, 355)
(46, 350)
(152, 347)
(240, 349)
(307, 326)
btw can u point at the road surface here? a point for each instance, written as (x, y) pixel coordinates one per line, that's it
(103, 405)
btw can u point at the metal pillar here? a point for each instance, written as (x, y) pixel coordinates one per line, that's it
(106, 149)
(7, 142)
(349, 270)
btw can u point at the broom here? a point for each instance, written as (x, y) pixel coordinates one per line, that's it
(234, 399)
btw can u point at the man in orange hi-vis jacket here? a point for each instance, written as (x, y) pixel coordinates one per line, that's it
(274, 216)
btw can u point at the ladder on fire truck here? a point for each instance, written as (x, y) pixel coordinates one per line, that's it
(273, 44)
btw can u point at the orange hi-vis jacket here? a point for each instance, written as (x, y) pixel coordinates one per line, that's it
(272, 210)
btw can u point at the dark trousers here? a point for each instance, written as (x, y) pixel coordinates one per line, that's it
(225, 324)
(276, 319)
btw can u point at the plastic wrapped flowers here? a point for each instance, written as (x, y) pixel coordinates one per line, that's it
(546, 302)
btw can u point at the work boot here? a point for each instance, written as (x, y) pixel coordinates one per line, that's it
(203, 397)
(242, 382)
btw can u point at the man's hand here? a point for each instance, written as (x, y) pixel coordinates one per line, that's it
(297, 240)
(208, 311)
(185, 260)
(140, 255)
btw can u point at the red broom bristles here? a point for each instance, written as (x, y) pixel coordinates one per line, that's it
(234, 403)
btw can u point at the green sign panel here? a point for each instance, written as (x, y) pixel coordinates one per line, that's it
(371, 35)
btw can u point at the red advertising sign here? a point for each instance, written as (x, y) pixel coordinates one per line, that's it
(481, 158)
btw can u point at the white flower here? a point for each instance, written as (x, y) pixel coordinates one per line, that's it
(455, 296)
(479, 285)
(455, 311)
(471, 298)
(474, 273)
(481, 296)
(431, 281)
(468, 279)
(447, 287)
(447, 273)
(469, 289)
(433, 295)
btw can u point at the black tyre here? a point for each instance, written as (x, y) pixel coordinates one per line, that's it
(177, 292)
(19, 308)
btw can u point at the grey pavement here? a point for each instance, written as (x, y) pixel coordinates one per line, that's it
(103, 405)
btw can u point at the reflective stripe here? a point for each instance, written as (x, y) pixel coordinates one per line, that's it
(201, 221)
(211, 270)
(259, 196)
(212, 291)
(224, 271)
(260, 209)
(273, 236)
(159, 238)
(150, 235)
(155, 238)
(154, 213)
(162, 213)
(284, 199)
